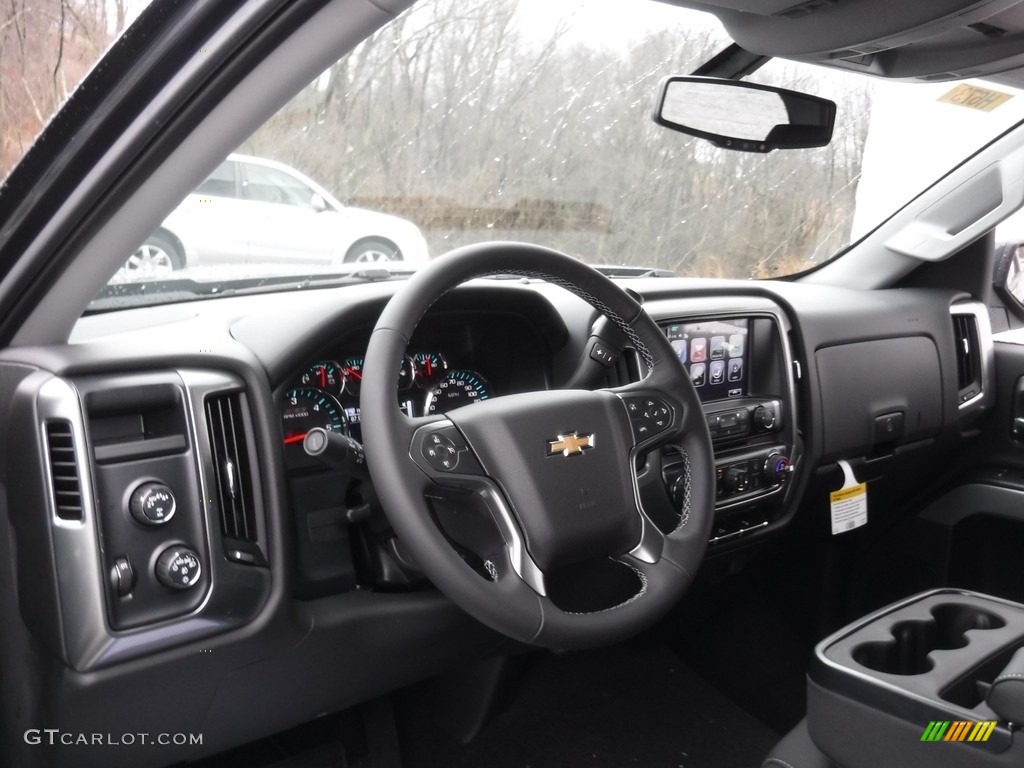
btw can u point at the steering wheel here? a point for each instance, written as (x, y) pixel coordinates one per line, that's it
(533, 511)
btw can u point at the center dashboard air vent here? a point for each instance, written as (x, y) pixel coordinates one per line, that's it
(234, 493)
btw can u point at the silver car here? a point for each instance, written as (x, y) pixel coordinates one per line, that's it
(252, 210)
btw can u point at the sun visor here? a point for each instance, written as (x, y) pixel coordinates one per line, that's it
(962, 212)
(937, 40)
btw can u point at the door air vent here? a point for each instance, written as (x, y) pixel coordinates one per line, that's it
(67, 489)
(234, 495)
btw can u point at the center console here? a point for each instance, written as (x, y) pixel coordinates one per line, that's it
(741, 368)
(932, 680)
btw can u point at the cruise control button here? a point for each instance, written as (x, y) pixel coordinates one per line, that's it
(441, 449)
(441, 452)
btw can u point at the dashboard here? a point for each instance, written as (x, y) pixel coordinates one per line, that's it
(173, 436)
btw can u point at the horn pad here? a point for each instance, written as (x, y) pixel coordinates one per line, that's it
(562, 459)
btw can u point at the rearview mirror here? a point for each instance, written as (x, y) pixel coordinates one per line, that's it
(744, 116)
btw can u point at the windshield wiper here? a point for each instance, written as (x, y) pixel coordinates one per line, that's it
(613, 271)
(117, 296)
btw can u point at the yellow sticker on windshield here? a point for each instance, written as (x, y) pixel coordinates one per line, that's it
(975, 97)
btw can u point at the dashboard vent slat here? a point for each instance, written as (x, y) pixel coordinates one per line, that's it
(67, 489)
(968, 356)
(232, 473)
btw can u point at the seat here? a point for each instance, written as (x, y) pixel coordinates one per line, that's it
(797, 750)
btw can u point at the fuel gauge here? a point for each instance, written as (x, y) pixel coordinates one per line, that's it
(325, 375)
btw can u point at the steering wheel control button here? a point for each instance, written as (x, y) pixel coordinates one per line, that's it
(440, 452)
(122, 577)
(152, 504)
(178, 567)
(648, 415)
(443, 450)
(603, 354)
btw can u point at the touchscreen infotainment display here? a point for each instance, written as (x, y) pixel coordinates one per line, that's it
(715, 353)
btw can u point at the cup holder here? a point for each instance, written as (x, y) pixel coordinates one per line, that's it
(907, 653)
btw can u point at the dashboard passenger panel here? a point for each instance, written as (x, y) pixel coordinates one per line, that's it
(879, 392)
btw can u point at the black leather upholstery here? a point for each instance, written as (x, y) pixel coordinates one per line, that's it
(1007, 694)
(796, 750)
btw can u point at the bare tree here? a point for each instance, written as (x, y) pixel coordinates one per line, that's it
(46, 48)
(459, 119)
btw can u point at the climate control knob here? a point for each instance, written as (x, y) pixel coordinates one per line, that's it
(777, 468)
(178, 567)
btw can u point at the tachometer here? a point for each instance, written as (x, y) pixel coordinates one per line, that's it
(457, 389)
(305, 408)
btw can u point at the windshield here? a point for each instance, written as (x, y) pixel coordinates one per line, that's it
(46, 49)
(473, 120)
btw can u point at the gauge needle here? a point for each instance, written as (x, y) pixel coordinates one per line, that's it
(354, 374)
(295, 439)
(430, 368)
(323, 378)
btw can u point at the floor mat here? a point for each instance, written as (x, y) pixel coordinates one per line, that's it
(610, 708)
(751, 653)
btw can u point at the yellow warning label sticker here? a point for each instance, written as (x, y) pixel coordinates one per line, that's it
(975, 97)
(849, 508)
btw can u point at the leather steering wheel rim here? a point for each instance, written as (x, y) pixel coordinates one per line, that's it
(507, 457)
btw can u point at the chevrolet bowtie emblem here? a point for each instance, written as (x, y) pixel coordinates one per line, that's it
(570, 445)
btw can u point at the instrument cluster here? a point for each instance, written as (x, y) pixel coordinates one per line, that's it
(326, 394)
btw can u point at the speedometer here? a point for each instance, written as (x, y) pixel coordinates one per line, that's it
(458, 388)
